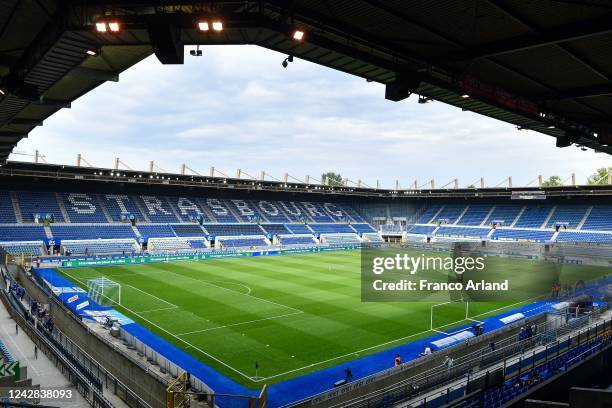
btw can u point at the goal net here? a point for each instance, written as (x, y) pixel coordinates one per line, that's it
(104, 291)
(445, 316)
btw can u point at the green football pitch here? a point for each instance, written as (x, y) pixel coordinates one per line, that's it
(292, 314)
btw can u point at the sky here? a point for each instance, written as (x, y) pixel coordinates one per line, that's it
(237, 107)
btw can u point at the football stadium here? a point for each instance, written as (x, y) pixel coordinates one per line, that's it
(153, 288)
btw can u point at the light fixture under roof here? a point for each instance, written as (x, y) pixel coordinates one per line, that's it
(114, 26)
(217, 25)
(203, 26)
(298, 35)
(465, 96)
(101, 26)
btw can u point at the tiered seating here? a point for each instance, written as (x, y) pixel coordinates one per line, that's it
(298, 228)
(422, 229)
(218, 209)
(233, 229)
(340, 238)
(271, 210)
(475, 214)
(372, 237)
(175, 244)
(293, 211)
(276, 229)
(22, 233)
(352, 213)
(187, 208)
(296, 239)
(428, 214)
(22, 248)
(363, 228)
(569, 215)
(157, 208)
(99, 246)
(463, 231)
(187, 230)
(533, 216)
(7, 212)
(504, 214)
(242, 242)
(155, 231)
(450, 212)
(527, 235)
(498, 396)
(331, 228)
(74, 232)
(83, 208)
(316, 212)
(582, 236)
(118, 204)
(600, 218)
(38, 202)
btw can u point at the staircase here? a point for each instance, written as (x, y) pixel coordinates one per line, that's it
(233, 210)
(136, 231)
(207, 213)
(48, 232)
(554, 237)
(60, 203)
(486, 218)
(583, 220)
(435, 215)
(461, 215)
(109, 218)
(518, 216)
(16, 207)
(142, 211)
(174, 211)
(550, 214)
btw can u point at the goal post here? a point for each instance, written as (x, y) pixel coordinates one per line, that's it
(445, 315)
(104, 291)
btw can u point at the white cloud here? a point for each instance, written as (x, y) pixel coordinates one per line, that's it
(237, 107)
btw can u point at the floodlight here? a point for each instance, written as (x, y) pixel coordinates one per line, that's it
(114, 26)
(203, 26)
(465, 96)
(298, 35)
(2, 92)
(285, 63)
(290, 58)
(551, 126)
(101, 27)
(217, 25)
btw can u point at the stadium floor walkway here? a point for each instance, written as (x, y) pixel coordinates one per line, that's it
(41, 370)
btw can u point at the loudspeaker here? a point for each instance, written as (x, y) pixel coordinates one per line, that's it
(404, 85)
(166, 43)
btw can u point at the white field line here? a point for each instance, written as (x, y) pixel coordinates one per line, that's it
(240, 323)
(159, 309)
(179, 339)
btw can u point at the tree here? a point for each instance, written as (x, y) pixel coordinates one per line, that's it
(600, 176)
(553, 181)
(334, 179)
(471, 186)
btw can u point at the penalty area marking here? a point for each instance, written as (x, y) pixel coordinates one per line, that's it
(240, 323)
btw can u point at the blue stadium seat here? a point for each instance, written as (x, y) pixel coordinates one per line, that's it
(331, 228)
(233, 229)
(7, 212)
(187, 230)
(475, 214)
(569, 215)
(118, 204)
(76, 232)
(82, 207)
(157, 209)
(38, 202)
(533, 216)
(22, 233)
(600, 218)
(155, 231)
(523, 235)
(583, 236)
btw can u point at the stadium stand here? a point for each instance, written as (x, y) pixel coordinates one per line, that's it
(332, 228)
(600, 218)
(340, 238)
(363, 228)
(22, 233)
(82, 207)
(22, 248)
(578, 236)
(296, 239)
(372, 237)
(156, 231)
(93, 231)
(422, 229)
(99, 246)
(504, 214)
(233, 229)
(271, 210)
(118, 205)
(522, 234)
(241, 242)
(38, 202)
(463, 231)
(187, 230)
(351, 213)
(428, 214)
(7, 212)
(569, 215)
(276, 229)
(298, 228)
(450, 213)
(475, 214)
(157, 209)
(218, 209)
(175, 244)
(533, 216)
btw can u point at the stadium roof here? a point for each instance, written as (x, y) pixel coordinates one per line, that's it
(542, 65)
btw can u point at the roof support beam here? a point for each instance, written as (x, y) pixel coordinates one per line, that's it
(95, 74)
(583, 92)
